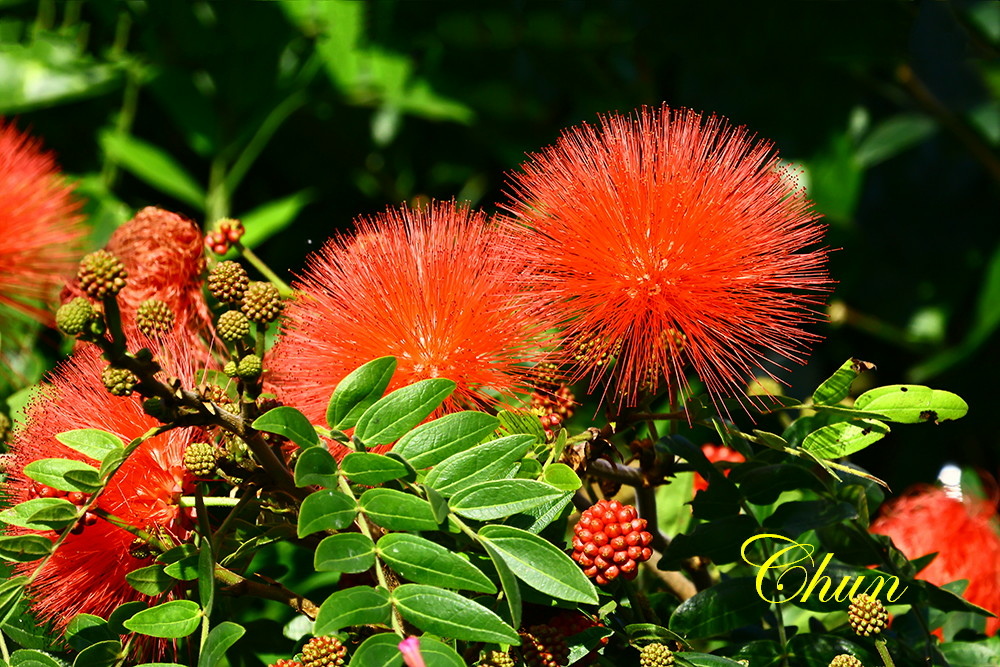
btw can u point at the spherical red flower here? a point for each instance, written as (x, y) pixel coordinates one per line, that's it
(715, 453)
(86, 574)
(964, 535)
(610, 540)
(164, 256)
(427, 286)
(41, 239)
(671, 240)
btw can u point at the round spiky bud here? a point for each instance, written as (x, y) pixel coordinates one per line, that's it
(230, 369)
(846, 660)
(543, 646)
(72, 318)
(324, 652)
(262, 302)
(154, 317)
(497, 659)
(610, 540)
(119, 381)
(228, 282)
(199, 459)
(233, 325)
(656, 655)
(101, 274)
(140, 549)
(250, 367)
(867, 616)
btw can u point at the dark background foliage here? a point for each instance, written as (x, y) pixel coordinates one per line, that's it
(299, 116)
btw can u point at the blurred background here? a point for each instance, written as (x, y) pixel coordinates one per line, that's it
(298, 116)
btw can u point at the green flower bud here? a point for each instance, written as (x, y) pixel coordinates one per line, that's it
(72, 318)
(228, 282)
(262, 302)
(101, 274)
(250, 367)
(199, 459)
(233, 325)
(119, 381)
(154, 317)
(867, 616)
(656, 655)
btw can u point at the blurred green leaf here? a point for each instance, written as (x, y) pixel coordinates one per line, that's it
(154, 166)
(273, 217)
(893, 136)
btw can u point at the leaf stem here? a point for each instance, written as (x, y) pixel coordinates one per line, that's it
(249, 255)
(883, 651)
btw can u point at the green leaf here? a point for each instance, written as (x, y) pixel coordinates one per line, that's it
(272, 217)
(359, 391)
(971, 654)
(433, 442)
(706, 660)
(41, 514)
(720, 540)
(793, 518)
(425, 562)
(728, 605)
(390, 418)
(24, 548)
(561, 476)
(64, 474)
(110, 463)
(361, 605)
(438, 654)
(448, 614)
(346, 552)
(91, 442)
(814, 650)
(372, 469)
(647, 633)
(539, 563)
(893, 136)
(184, 569)
(381, 650)
(508, 583)
(290, 423)
(206, 574)
(488, 461)
(316, 467)
(395, 510)
(170, 620)
(11, 593)
(33, 658)
(101, 654)
(502, 498)
(153, 165)
(843, 438)
(523, 422)
(222, 636)
(762, 484)
(151, 580)
(86, 629)
(122, 614)
(326, 510)
(912, 404)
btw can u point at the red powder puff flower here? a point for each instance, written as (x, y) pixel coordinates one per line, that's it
(716, 453)
(426, 286)
(669, 240)
(86, 574)
(163, 253)
(41, 239)
(964, 535)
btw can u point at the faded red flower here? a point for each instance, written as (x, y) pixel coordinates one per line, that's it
(716, 453)
(164, 255)
(427, 286)
(41, 239)
(964, 535)
(671, 240)
(86, 574)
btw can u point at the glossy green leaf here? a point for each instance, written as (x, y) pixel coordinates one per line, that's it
(448, 614)
(111, 462)
(539, 563)
(844, 438)
(11, 594)
(395, 510)
(485, 462)
(359, 391)
(122, 613)
(728, 605)
(290, 423)
(523, 422)
(86, 629)
(184, 569)
(24, 548)
(838, 386)
(644, 633)
(433, 442)
(101, 654)
(64, 474)
(391, 417)
(912, 404)
(439, 654)
(508, 583)
(381, 650)
(222, 636)
(41, 514)
(561, 476)
(170, 620)
(326, 510)
(33, 658)
(424, 562)
(316, 467)
(971, 654)
(91, 442)
(502, 498)
(151, 580)
(153, 165)
(361, 605)
(720, 540)
(346, 552)
(535, 520)
(372, 469)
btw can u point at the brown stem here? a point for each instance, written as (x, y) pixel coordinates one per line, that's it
(234, 584)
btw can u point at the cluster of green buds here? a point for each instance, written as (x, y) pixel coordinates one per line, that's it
(80, 319)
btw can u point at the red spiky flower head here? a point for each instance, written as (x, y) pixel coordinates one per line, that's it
(963, 534)
(671, 240)
(41, 233)
(86, 574)
(427, 286)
